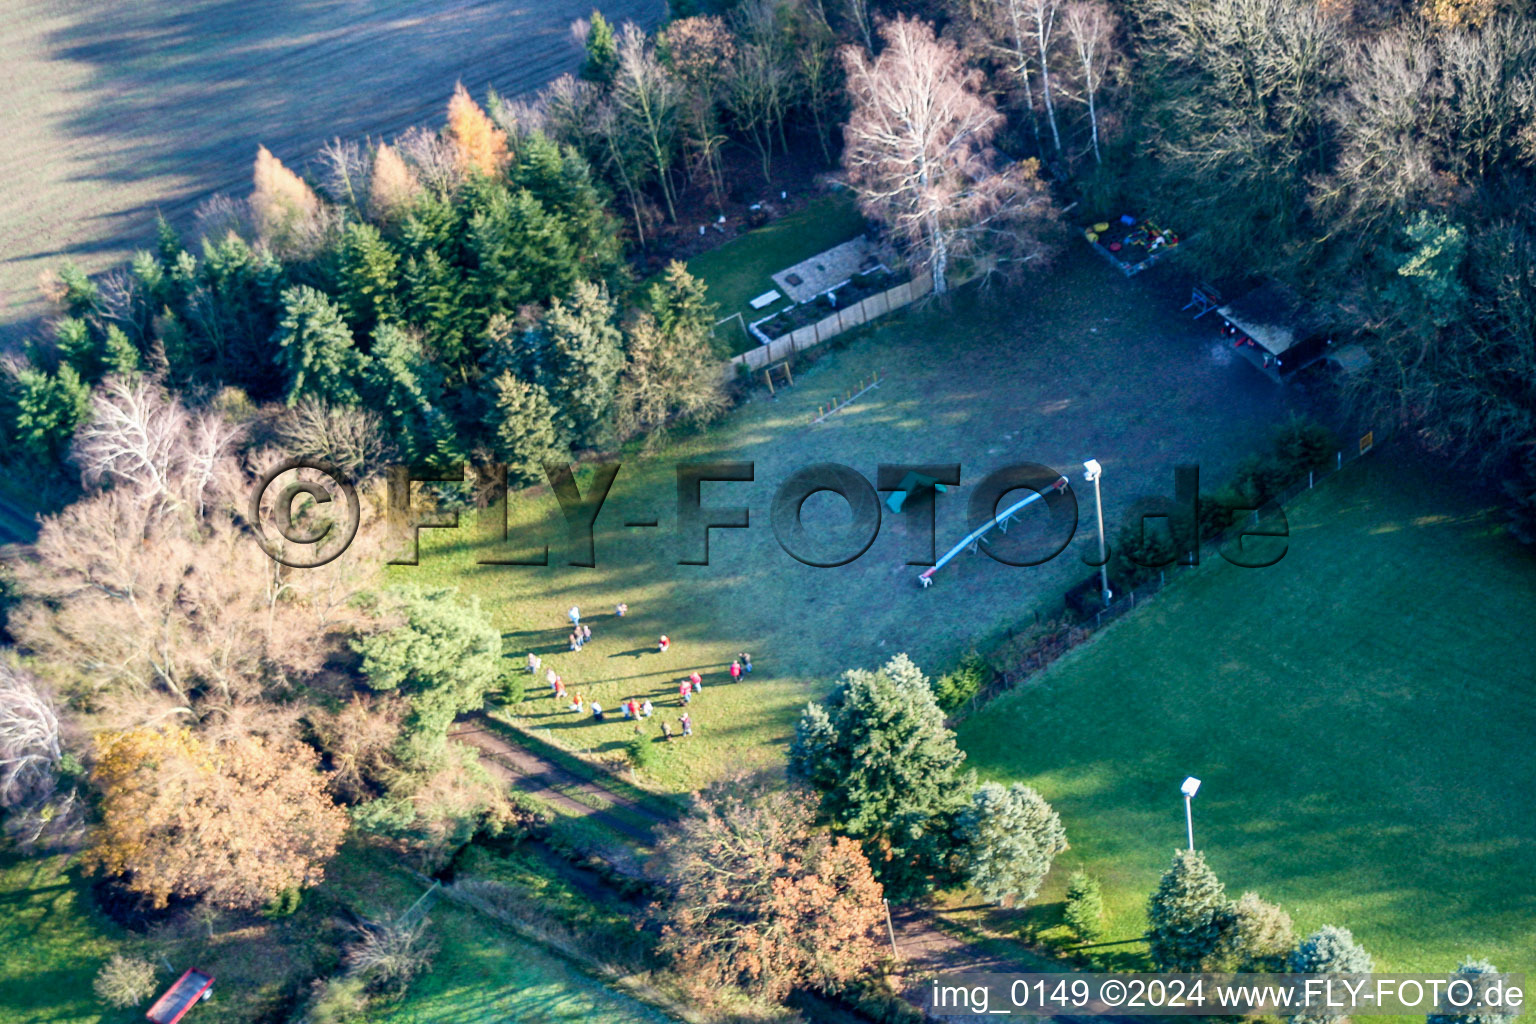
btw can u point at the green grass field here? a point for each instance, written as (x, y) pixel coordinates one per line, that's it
(982, 386)
(54, 941)
(743, 268)
(484, 975)
(1360, 714)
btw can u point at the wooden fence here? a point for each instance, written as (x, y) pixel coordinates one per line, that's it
(834, 323)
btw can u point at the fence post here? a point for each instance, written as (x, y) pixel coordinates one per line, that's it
(1340, 464)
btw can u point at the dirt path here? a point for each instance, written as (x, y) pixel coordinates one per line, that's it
(547, 781)
(925, 947)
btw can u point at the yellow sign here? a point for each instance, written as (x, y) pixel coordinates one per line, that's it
(1367, 441)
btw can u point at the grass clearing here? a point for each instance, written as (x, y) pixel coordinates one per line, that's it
(1360, 715)
(55, 940)
(743, 268)
(482, 974)
(985, 386)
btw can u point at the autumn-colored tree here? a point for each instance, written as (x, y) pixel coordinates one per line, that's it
(235, 824)
(286, 210)
(757, 897)
(478, 143)
(392, 187)
(918, 154)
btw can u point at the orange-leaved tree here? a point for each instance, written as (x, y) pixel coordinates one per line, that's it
(234, 823)
(478, 144)
(757, 897)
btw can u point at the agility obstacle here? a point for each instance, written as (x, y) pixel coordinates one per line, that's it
(976, 538)
(849, 397)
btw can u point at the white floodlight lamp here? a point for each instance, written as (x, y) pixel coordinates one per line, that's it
(1092, 469)
(1191, 786)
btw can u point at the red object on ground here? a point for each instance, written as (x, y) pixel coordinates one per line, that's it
(180, 997)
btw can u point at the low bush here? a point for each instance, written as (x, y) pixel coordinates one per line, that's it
(125, 981)
(1084, 912)
(641, 749)
(1301, 446)
(952, 689)
(341, 1000)
(284, 904)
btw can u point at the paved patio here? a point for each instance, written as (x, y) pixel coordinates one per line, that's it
(809, 278)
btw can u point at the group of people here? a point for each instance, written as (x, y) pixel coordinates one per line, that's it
(633, 709)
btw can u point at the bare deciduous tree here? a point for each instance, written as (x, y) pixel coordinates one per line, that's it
(1090, 25)
(30, 747)
(141, 438)
(1041, 17)
(918, 153)
(648, 100)
(347, 437)
(760, 87)
(701, 51)
(345, 167)
(433, 159)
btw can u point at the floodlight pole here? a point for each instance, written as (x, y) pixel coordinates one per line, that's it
(1093, 472)
(1189, 788)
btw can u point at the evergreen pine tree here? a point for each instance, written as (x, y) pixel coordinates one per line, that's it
(443, 658)
(1258, 937)
(368, 278)
(315, 349)
(119, 356)
(1007, 839)
(1329, 950)
(168, 247)
(680, 304)
(1186, 915)
(46, 409)
(78, 347)
(602, 51)
(436, 299)
(522, 426)
(562, 181)
(1475, 973)
(888, 770)
(1085, 907)
(403, 387)
(585, 353)
(519, 252)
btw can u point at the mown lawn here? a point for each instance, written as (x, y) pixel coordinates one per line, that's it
(54, 941)
(1360, 714)
(743, 268)
(483, 975)
(984, 386)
